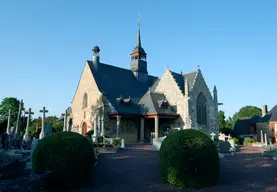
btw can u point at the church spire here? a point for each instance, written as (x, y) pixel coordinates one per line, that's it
(138, 38)
(138, 59)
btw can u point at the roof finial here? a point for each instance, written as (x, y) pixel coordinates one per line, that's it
(198, 67)
(138, 38)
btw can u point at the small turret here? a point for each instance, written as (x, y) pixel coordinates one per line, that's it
(215, 94)
(95, 57)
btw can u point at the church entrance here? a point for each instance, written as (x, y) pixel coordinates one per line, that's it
(84, 128)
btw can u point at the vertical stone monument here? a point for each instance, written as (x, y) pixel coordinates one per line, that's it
(27, 135)
(42, 133)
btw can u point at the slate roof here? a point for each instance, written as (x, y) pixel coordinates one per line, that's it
(181, 78)
(115, 82)
(149, 104)
(271, 115)
(242, 126)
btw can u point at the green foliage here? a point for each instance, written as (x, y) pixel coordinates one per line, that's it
(69, 156)
(221, 118)
(236, 140)
(100, 139)
(247, 111)
(116, 141)
(89, 133)
(6, 104)
(189, 158)
(249, 140)
(35, 127)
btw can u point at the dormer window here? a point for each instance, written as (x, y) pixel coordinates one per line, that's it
(121, 100)
(163, 103)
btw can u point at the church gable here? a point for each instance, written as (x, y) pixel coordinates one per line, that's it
(86, 95)
(199, 85)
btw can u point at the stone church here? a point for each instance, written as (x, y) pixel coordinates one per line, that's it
(136, 106)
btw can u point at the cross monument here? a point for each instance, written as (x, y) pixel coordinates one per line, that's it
(65, 115)
(27, 136)
(42, 133)
(213, 134)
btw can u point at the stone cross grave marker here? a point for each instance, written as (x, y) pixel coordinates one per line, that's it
(213, 134)
(27, 136)
(262, 136)
(18, 117)
(9, 123)
(65, 115)
(42, 133)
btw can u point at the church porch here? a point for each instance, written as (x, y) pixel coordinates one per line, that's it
(155, 126)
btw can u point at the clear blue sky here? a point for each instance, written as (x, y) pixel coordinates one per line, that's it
(44, 45)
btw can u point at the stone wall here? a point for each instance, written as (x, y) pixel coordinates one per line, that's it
(199, 86)
(87, 85)
(175, 97)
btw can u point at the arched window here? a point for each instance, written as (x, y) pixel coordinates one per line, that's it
(201, 109)
(85, 101)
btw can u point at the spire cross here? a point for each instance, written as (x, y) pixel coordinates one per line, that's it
(138, 20)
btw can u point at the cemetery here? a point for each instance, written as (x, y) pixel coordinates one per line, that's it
(26, 164)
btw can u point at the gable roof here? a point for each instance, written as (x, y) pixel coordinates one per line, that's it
(114, 82)
(181, 78)
(271, 115)
(242, 126)
(149, 104)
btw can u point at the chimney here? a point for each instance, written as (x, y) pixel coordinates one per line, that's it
(95, 57)
(264, 110)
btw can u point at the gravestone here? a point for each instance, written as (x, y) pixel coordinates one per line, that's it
(232, 143)
(48, 129)
(35, 142)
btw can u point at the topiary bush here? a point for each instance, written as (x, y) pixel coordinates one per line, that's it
(189, 159)
(69, 156)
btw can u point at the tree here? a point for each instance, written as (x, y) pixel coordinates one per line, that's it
(6, 104)
(221, 118)
(35, 126)
(247, 111)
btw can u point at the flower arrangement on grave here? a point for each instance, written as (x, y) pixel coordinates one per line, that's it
(116, 141)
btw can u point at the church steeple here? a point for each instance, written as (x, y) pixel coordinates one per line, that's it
(138, 59)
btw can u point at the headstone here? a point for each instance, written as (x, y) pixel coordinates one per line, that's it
(9, 123)
(65, 115)
(122, 143)
(229, 137)
(262, 136)
(18, 117)
(232, 143)
(212, 135)
(42, 133)
(48, 129)
(27, 135)
(34, 145)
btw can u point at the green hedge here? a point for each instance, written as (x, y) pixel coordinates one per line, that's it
(69, 156)
(189, 159)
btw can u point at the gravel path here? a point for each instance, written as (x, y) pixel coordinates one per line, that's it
(137, 170)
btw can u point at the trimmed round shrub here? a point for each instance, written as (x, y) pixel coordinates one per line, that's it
(70, 158)
(189, 159)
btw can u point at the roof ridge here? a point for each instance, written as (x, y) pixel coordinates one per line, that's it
(175, 80)
(189, 73)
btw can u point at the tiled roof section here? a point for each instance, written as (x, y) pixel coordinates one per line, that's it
(271, 115)
(190, 77)
(115, 82)
(179, 80)
(242, 126)
(149, 104)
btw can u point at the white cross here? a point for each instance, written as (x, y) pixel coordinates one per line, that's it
(213, 134)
